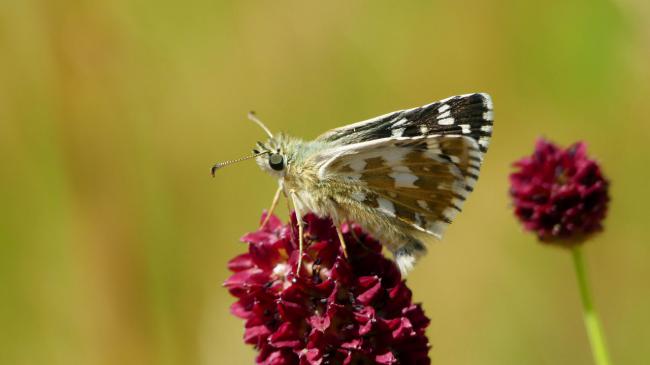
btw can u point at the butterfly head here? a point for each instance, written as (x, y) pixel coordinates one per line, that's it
(272, 156)
(269, 156)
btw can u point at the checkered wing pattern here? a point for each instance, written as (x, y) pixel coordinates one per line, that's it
(422, 181)
(468, 115)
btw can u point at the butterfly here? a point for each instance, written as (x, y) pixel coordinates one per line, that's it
(402, 176)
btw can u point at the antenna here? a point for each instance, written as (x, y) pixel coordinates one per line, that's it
(219, 165)
(252, 117)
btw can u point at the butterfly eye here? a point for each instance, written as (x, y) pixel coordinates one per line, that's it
(276, 161)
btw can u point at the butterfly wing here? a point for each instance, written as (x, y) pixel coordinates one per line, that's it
(422, 181)
(468, 115)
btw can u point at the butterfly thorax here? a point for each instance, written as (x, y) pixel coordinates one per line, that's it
(316, 193)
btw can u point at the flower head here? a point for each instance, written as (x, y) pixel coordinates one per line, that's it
(337, 310)
(560, 194)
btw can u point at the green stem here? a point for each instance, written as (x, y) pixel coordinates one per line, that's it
(594, 328)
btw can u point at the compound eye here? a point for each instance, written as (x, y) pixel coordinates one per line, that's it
(276, 161)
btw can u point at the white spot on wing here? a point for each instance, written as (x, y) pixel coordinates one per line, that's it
(446, 121)
(443, 108)
(475, 154)
(444, 115)
(486, 128)
(488, 115)
(400, 122)
(459, 188)
(398, 132)
(470, 181)
(404, 180)
(386, 206)
(484, 142)
(465, 128)
(395, 156)
(457, 202)
(358, 165)
(450, 213)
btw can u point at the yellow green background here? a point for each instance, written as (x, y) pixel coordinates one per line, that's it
(114, 238)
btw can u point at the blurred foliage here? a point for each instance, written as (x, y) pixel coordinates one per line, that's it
(114, 239)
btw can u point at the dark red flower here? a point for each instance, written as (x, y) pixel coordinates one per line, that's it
(336, 311)
(560, 194)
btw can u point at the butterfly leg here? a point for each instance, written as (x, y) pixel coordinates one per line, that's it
(342, 240)
(274, 204)
(294, 200)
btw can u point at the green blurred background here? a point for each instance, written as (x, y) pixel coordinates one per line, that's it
(114, 238)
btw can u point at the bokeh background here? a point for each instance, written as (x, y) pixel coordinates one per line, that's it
(114, 238)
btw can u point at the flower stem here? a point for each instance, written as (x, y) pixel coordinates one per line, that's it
(594, 328)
